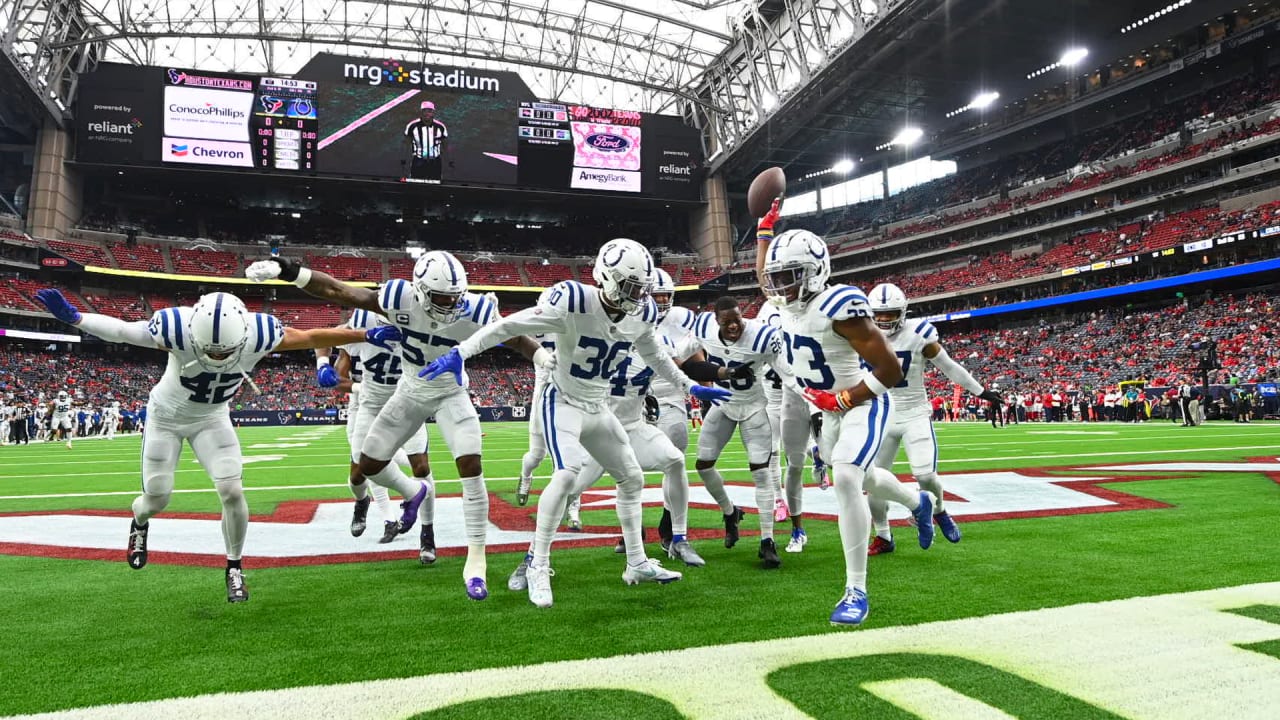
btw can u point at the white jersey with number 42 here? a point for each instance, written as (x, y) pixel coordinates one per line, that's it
(187, 390)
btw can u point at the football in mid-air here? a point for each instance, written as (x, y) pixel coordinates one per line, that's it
(768, 185)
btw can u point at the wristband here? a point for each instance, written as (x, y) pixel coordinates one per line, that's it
(874, 385)
(321, 362)
(355, 388)
(304, 277)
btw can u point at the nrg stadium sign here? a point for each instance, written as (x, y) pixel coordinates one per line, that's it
(394, 72)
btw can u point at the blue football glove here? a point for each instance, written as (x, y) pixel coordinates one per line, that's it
(713, 395)
(450, 362)
(383, 336)
(326, 376)
(58, 305)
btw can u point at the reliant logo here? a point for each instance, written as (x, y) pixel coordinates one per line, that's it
(207, 109)
(393, 72)
(608, 142)
(113, 128)
(676, 169)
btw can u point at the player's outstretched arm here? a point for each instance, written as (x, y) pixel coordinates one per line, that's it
(956, 373)
(295, 339)
(104, 326)
(874, 349)
(513, 330)
(661, 362)
(314, 283)
(342, 366)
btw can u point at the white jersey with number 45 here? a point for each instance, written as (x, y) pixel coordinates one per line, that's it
(187, 389)
(909, 342)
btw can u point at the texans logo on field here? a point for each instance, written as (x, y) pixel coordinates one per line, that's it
(314, 532)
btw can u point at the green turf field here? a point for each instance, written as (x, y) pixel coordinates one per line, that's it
(1004, 622)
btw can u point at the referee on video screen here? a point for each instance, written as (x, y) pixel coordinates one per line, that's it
(427, 137)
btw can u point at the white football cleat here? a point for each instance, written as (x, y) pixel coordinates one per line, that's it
(649, 571)
(539, 579)
(799, 538)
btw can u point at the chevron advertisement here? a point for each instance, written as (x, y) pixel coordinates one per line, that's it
(207, 152)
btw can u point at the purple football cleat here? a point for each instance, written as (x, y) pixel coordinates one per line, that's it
(477, 589)
(410, 508)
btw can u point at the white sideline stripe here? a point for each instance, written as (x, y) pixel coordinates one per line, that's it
(1167, 656)
(903, 463)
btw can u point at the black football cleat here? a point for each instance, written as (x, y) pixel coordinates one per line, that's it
(236, 590)
(359, 517)
(731, 526)
(769, 554)
(427, 544)
(390, 529)
(138, 544)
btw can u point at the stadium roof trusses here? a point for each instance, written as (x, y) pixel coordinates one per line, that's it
(720, 63)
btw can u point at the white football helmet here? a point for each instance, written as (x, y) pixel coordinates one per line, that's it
(219, 329)
(62, 394)
(439, 282)
(797, 267)
(624, 272)
(889, 306)
(663, 292)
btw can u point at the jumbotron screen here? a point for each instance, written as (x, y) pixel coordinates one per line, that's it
(384, 120)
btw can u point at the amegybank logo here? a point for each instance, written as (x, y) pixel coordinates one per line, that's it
(207, 152)
(394, 72)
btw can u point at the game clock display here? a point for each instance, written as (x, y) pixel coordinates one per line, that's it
(285, 124)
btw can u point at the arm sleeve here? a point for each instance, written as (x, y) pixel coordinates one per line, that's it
(955, 372)
(532, 321)
(116, 330)
(658, 359)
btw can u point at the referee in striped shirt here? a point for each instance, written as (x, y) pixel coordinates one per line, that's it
(427, 137)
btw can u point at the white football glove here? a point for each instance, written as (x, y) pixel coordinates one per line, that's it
(262, 271)
(545, 359)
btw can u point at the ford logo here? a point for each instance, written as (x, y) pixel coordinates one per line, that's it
(608, 143)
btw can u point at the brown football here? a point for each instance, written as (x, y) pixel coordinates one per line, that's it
(768, 185)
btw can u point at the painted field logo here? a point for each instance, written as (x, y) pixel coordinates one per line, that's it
(310, 532)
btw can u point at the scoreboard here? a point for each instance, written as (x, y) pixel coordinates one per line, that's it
(388, 120)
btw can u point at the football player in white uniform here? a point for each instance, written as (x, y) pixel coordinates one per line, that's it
(595, 329)
(676, 323)
(737, 344)
(537, 451)
(110, 419)
(910, 424)
(434, 313)
(212, 347)
(380, 372)
(61, 425)
(796, 426)
(831, 341)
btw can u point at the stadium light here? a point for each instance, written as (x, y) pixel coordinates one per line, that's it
(1155, 15)
(1073, 57)
(768, 101)
(983, 100)
(1070, 58)
(843, 167)
(908, 136)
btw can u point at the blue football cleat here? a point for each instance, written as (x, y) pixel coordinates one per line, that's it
(477, 589)
(924, 520)
(950, 530)
(410, 507)
(852, 608)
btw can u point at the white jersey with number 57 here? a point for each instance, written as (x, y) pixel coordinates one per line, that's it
(425, 337)
(821, 358)
(187, 389)
(909, 342)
